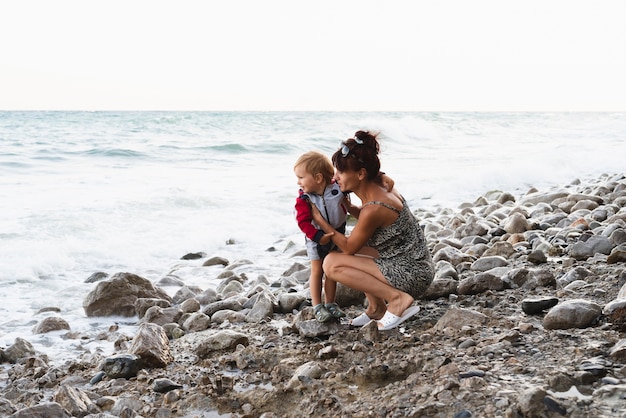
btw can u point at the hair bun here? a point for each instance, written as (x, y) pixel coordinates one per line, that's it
(369, 139)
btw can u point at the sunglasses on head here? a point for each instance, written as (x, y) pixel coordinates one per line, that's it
(345, 149)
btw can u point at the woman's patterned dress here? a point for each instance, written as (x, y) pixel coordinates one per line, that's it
(404, 258)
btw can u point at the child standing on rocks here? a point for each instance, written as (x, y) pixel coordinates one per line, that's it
(315, 172)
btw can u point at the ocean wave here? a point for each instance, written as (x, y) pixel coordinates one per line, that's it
(228, 148)
(114, 152)
(14, 164)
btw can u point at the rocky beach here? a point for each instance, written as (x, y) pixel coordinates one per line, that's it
(525, 318)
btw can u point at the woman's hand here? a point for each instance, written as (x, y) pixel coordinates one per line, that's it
(317, 215)
(326, 238)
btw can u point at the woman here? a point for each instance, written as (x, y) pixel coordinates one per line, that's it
(385, 256)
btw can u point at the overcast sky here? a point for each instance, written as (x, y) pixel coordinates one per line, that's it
(313, 55)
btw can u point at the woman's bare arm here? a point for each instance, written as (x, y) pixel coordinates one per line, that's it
(363, 230)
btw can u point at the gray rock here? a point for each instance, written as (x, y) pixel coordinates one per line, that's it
(229, 304)
(190, 305)
(481, 282)
(20, 349)
(457, 318)
(575, 313)
(152, 345)
(228, 315)
(211, 341)
(44, 410)
(117, 296)
(215, 261)
(516, 224)
(52, 323)
(162, 316)
(312, 328)
(452, 255)
(184, 293)
(263, 308)
(441, 287)
(289, 302)
(143, 304)
(197, 321)
(75, 401)
(537, 257)
(96, 277)
(596, 244)
(488, 263)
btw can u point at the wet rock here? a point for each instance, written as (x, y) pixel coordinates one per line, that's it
(190, 305)
(52, 323)
(162, 316)
(216, 261)
(193, 256)
(185, 293)
(143, 304)
(96, 277)
(230, 287)
(117, 296)
(20, 349)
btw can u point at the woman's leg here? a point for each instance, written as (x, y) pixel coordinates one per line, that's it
(361, 273)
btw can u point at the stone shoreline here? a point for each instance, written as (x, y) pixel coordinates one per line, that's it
(525, 318)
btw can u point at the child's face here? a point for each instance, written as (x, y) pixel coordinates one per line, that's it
(308, 182)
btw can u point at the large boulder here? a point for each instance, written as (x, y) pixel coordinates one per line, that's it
(117, 296)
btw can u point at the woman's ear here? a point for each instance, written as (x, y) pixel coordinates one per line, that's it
(362, 173)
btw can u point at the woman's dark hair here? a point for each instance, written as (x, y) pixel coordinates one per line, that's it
(360, 151)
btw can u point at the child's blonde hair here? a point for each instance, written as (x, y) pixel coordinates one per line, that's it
(315, 162)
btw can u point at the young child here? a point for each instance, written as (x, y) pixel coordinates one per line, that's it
(315, 172)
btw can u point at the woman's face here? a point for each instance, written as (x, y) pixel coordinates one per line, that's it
(347, 180)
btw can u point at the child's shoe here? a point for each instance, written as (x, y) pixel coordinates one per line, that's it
(334, 310)
(321, 314)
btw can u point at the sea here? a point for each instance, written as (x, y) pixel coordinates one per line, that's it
(89, 192)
